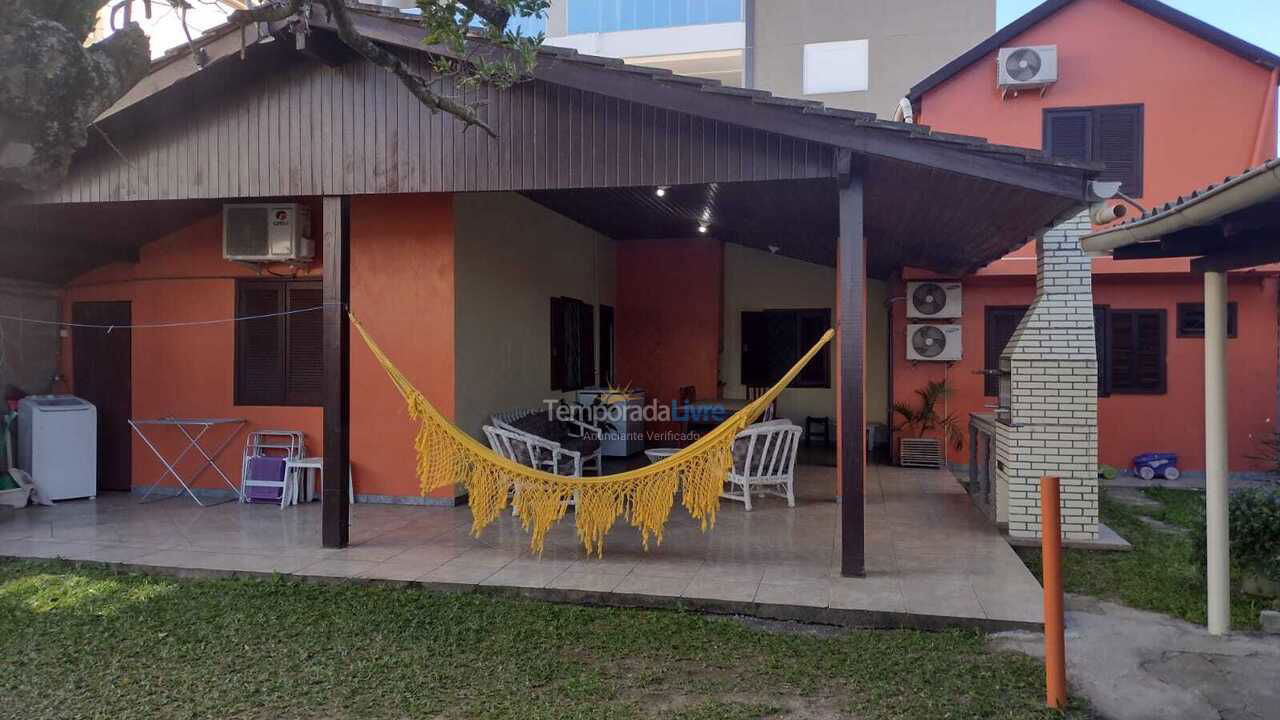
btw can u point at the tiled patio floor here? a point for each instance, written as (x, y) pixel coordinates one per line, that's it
(932, 560)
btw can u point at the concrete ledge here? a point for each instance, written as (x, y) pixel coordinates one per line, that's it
(849, 618)
(1108, 539)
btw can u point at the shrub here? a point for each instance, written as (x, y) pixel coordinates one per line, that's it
(1268, 455)
(1254, 517)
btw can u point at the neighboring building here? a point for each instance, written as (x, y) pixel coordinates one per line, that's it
(850, 54)
(1167, 103)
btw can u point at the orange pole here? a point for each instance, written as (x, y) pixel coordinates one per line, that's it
(1055, 647)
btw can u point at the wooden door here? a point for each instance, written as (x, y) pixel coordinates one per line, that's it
(102, 364)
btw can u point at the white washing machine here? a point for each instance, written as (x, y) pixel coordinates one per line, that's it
(58, 445)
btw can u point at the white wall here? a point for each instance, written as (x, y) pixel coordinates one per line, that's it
(511, 257)
(758, 280)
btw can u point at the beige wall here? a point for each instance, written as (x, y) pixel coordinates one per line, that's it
(909, 39)
(513, 256)
(757, 280)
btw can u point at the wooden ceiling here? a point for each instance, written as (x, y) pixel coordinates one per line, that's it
(916, 216)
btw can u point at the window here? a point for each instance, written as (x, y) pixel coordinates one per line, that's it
(1112, 135)
(1191, 320)
(1002, 321)
(1000, 324)
(773, 340)
(606, 345)
(1135, 352)
(573, 350)
(278, 359)
(835, 67)
(593, 16)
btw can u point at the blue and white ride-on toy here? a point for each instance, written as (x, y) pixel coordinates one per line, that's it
(1148, 465)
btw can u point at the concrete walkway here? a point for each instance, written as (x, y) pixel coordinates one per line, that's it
(1138, 665)
(932, 559)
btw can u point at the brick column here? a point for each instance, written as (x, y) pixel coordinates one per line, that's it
(1053, 428)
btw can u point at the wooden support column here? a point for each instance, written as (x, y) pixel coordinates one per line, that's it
(337, 371)
(851, 292)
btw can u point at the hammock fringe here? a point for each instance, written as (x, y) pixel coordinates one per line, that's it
(447, 456)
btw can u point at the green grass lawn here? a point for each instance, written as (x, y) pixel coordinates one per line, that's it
(1160, 573)
(82, 642)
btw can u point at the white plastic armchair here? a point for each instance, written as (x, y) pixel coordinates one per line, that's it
(764, 463)
(577, 429)
(532, 451)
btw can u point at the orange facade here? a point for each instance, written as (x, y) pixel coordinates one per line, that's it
(1206, 113)
(402, 288)
(669, 309)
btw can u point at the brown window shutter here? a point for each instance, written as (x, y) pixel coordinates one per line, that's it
(1102, 346)
(1001, 322)
(1150, 356)
(1137, 351)
(1118, 144)
(1068, 134)
(260, 345)
(586, 345)
(755, 348)
(558, 379)
(304, 359)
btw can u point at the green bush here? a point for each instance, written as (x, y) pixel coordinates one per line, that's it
(1254, 517)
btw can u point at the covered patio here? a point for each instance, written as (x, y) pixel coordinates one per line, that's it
(933, 561)
(590, 141)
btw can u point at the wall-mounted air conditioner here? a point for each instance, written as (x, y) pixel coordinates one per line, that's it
(1031, 66)
(933, 300)
(276, 232)
(937, 343)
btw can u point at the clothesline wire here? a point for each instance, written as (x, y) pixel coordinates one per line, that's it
(188, 323)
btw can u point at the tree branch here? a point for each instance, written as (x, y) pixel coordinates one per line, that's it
(490, 11)
(283, 9)
(275, 11)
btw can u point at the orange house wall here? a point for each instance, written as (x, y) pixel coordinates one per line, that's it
(1202, 104)
(402, 288)
(1132, 424)
(1202, 110)
(668, 315)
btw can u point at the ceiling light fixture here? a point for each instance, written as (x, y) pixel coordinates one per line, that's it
(660, 192)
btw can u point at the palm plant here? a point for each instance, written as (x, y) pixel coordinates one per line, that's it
(926, 417)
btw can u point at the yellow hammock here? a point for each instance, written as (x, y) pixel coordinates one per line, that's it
(447, 455)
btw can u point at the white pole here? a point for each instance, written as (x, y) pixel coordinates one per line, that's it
(1215, 449)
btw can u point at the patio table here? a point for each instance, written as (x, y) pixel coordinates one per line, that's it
(186, 427)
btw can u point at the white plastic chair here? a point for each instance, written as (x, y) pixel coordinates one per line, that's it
(535, 452)
(577, 429)
(768, 466)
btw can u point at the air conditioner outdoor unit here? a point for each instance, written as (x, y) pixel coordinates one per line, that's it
(936, 343)
(276, 232)
(933, 300)
(1027, 67)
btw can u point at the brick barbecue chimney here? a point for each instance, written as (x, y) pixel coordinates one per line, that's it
(1048, 422)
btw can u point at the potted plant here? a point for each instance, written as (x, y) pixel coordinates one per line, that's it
(917, 421)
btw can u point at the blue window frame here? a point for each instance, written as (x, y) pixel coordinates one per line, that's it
(587, 16)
